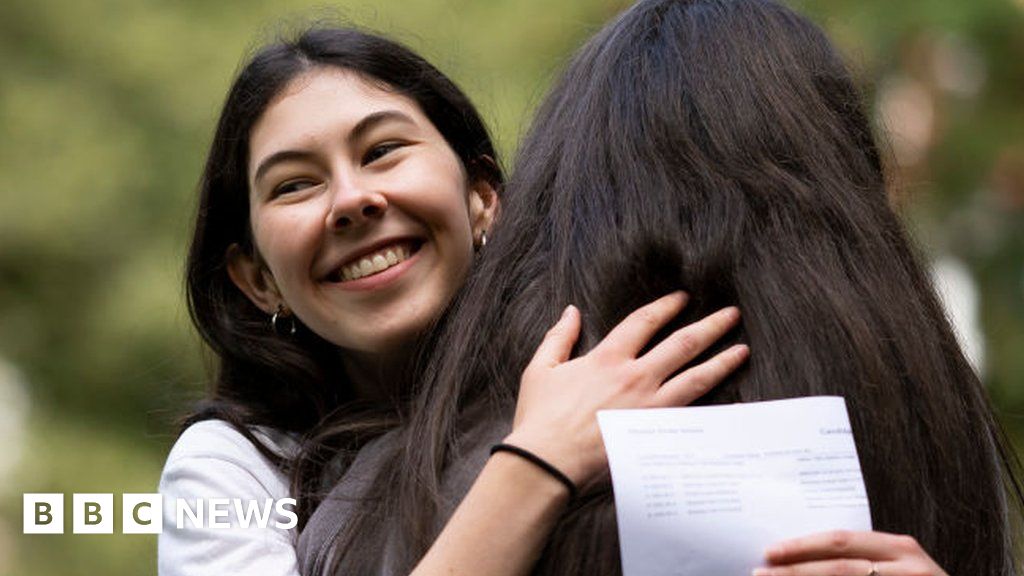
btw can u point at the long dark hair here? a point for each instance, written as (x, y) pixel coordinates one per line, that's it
(718, 146)
(264, 378)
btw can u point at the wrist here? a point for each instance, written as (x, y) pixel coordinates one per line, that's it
(540, 463)
(528, 479)
(547, 448)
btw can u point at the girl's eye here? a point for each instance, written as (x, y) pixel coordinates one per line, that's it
(379, 151)
(293, 186)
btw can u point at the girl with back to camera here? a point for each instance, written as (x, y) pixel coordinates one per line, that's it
(716, 146)
(347, 191)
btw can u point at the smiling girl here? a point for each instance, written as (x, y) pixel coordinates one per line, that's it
(347, 189)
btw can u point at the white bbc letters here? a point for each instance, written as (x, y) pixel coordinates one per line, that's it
(218, 508)
(92, 513)
(142, 513)
(43, 513)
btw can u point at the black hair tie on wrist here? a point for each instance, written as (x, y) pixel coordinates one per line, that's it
(540, 463)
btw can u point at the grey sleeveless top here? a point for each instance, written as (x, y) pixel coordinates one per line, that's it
(315, 545)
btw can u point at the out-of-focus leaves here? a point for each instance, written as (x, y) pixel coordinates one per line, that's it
(107, 107)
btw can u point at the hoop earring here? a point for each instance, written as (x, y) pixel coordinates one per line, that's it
(276, 322)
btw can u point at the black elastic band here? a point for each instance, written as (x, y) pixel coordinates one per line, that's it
(540, 463)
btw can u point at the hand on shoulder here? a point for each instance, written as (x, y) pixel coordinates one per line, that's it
(559, 396)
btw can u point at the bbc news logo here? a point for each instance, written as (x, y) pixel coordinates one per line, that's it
(143, 513)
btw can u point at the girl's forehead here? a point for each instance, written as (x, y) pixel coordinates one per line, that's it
(331, 79)
(335, 92)
(325, 102)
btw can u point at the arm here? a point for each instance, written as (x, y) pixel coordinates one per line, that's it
(501, 526)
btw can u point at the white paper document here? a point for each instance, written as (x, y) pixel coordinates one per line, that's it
(703, 491)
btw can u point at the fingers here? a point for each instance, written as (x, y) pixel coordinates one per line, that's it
(637, 329)
(845, 552)
(842, 543)
(688, 342)
(558, 342)
(836, 567)
(687, 386)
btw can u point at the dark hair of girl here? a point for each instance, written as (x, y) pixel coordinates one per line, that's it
(720, 147)
(291, 383)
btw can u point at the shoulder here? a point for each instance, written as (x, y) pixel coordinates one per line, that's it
(218, 439)
(212, 460)
(316, 543)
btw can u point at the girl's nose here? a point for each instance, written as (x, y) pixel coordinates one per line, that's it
(353, 206)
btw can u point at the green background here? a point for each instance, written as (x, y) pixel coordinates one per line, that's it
(106, 111)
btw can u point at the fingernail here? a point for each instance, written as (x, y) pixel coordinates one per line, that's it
(741, 350)
(761, 572)
(733, 312)
(568, 309)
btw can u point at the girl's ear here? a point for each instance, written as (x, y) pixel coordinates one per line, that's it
(253, 279)
(483, 200)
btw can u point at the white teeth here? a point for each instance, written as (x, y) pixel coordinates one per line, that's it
(374, 263)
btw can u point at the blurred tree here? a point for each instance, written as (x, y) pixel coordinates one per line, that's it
(106, 109)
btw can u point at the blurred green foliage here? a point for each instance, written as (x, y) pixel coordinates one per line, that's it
(107, 107)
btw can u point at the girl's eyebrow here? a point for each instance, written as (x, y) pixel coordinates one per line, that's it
(373, 120)
(278, 157)
(368, 122)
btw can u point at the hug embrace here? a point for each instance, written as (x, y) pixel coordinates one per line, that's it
(415, 347)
